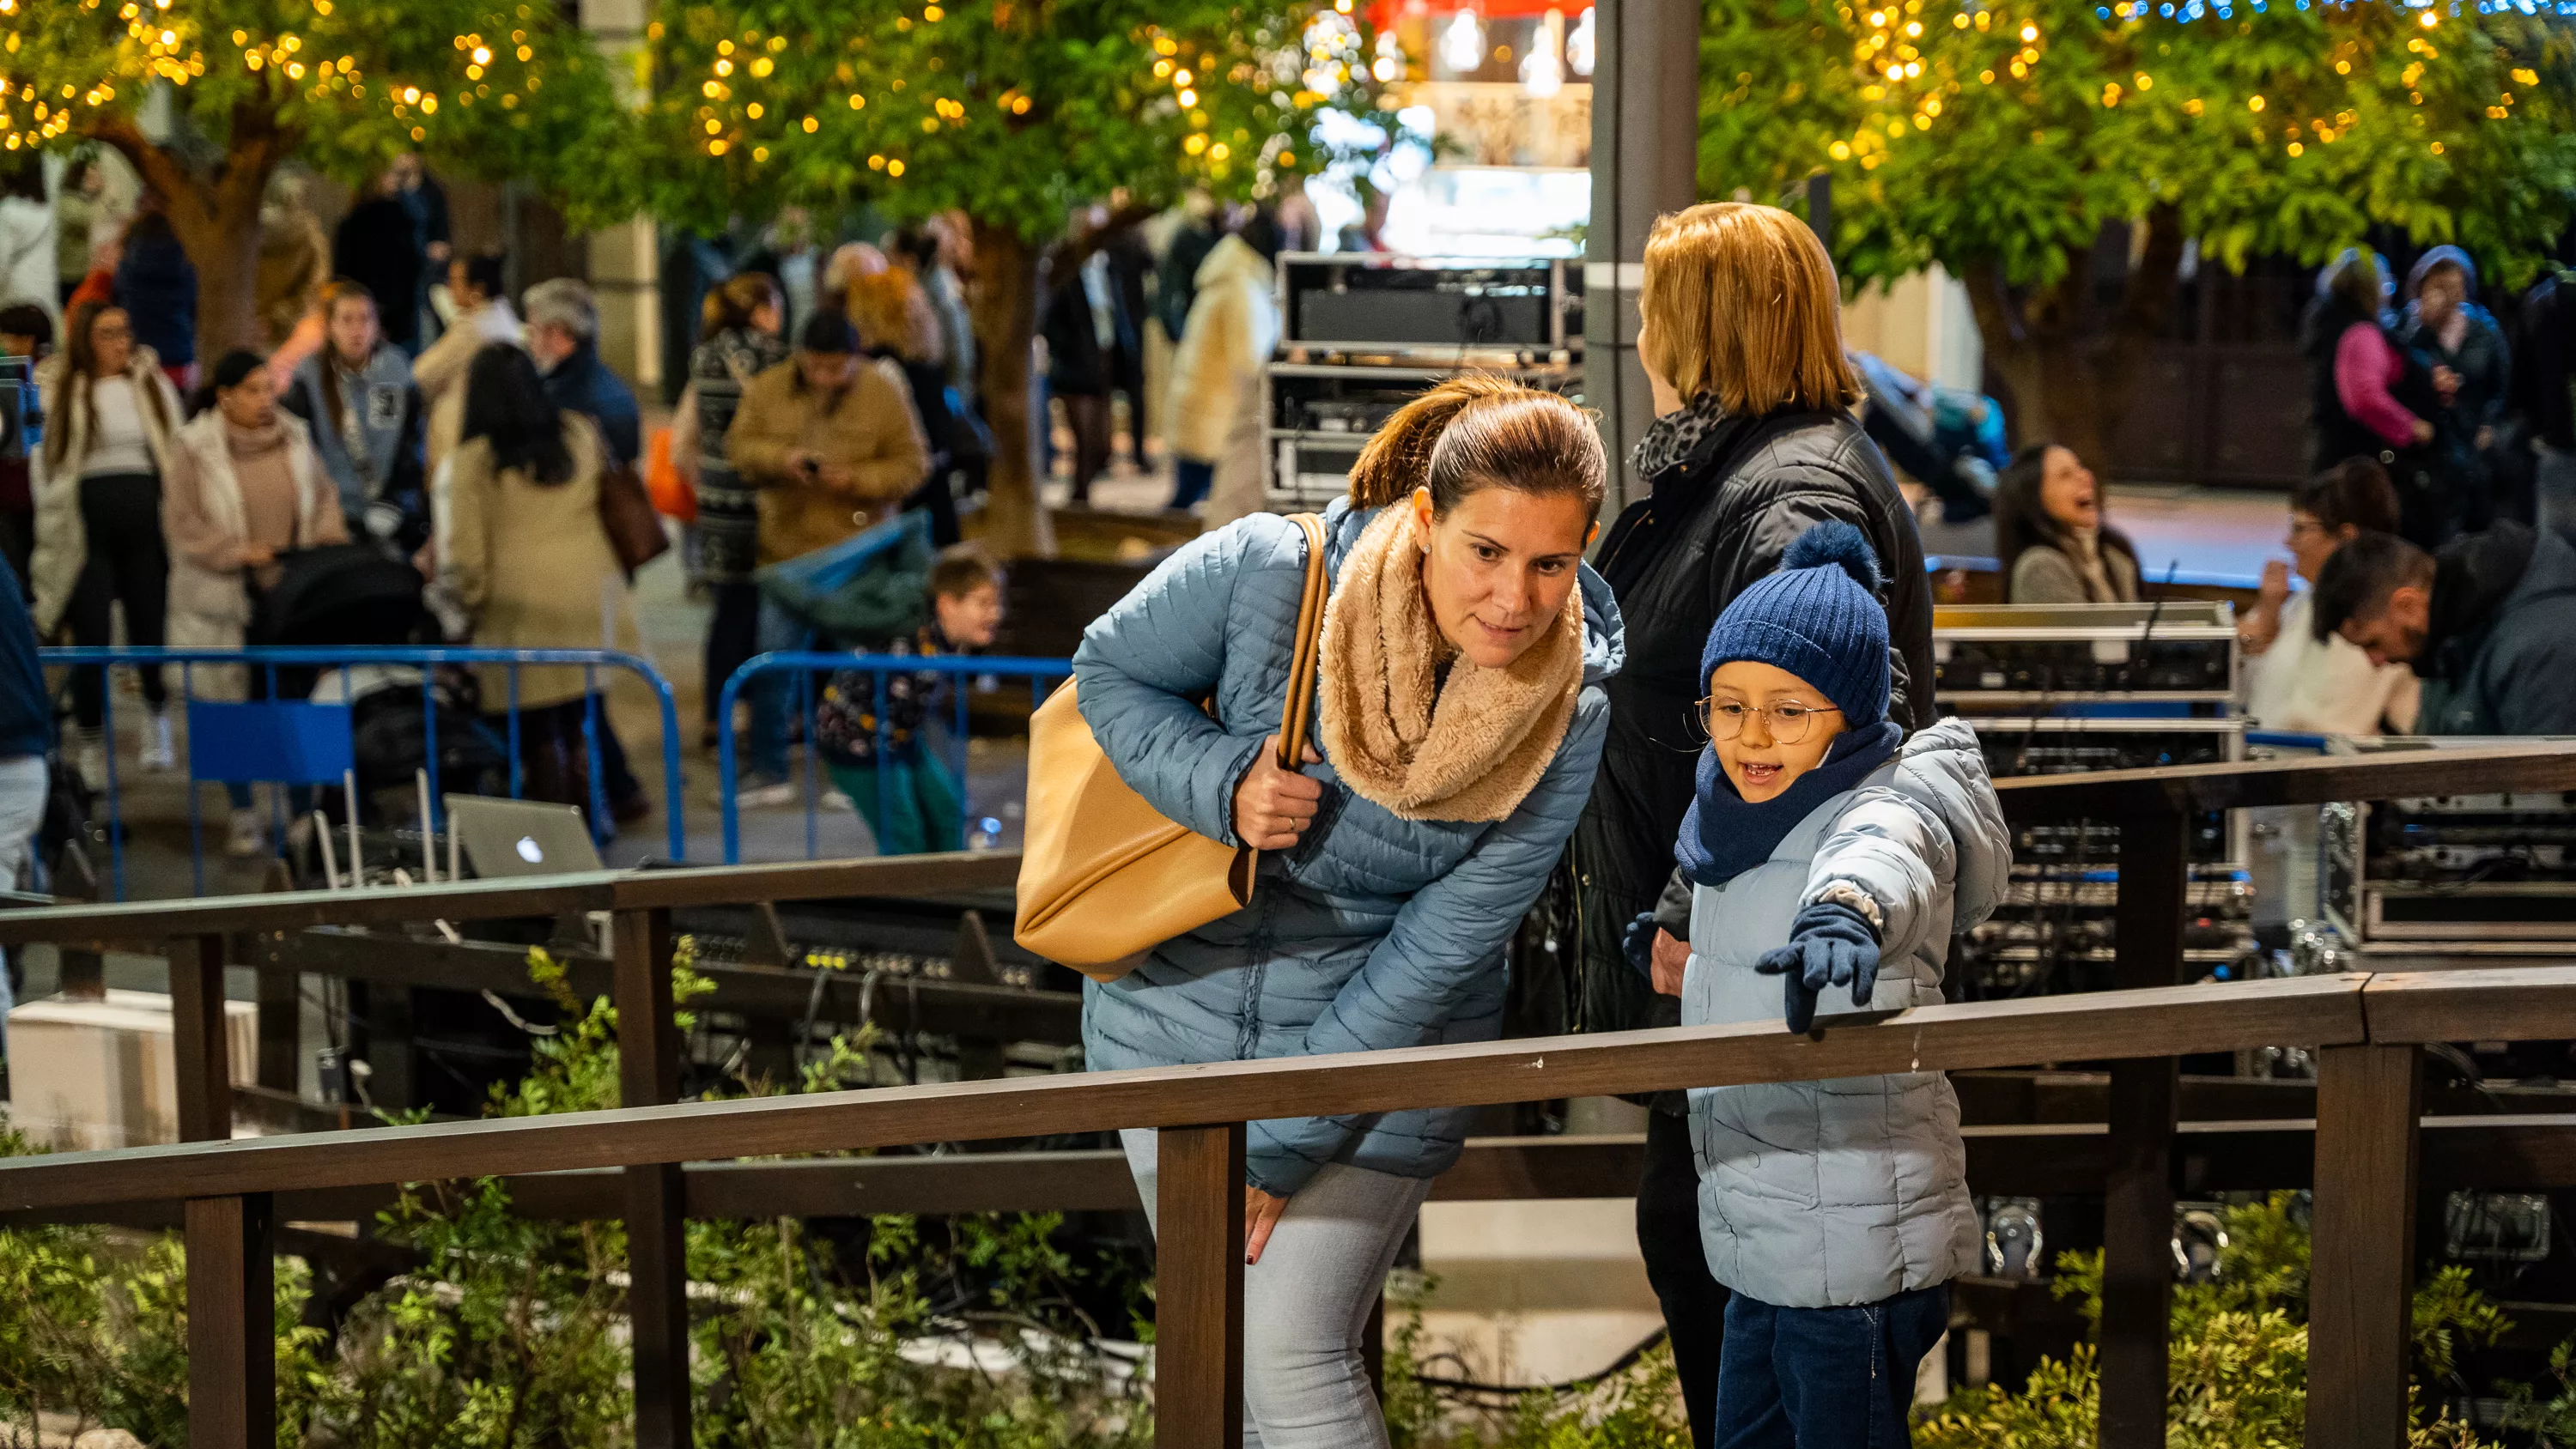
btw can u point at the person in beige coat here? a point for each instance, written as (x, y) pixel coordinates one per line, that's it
(1214, 416)
(832, 443)
(243, 488)
(525, 559)
(829, 438)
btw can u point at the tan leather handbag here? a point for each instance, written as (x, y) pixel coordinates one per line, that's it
(1104, 877)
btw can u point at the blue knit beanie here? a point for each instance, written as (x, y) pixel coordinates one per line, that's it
(1818, 618)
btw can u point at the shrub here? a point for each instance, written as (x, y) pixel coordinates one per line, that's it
(2238, 1367)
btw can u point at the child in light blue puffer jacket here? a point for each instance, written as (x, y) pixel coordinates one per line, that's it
(1830, 862)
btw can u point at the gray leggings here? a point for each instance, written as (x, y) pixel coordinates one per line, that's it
(1306, 1303)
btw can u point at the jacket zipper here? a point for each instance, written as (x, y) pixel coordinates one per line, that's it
(1247, 1039)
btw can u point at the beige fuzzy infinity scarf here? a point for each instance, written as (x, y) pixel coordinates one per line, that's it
(1471, 749)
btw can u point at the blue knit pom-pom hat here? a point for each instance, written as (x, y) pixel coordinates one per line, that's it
(1818, 618)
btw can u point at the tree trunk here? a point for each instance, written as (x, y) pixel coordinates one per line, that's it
(226, 256)
(216, 218)
(1005, 308)
(2057, 385)
(2070, 365)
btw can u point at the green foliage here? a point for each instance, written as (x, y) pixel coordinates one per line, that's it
(1999, 139)
(1013, 110)
(503, 1337)
(510, 1330)
(2238, 1352)
(1637, 1408)
(97, 1331)
(2553, 1420)
(490, 87)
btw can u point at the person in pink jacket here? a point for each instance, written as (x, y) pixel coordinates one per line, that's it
(2373, 399)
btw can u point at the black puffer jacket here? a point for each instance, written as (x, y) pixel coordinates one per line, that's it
(1715, 522)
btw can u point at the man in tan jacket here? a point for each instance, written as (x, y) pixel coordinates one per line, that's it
(829, 438)
(831, 441)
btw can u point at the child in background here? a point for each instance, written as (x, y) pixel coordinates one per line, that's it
(912, 801)
(1829, 856)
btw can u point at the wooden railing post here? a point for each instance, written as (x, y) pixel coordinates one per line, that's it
(200, 1048)
(232, 1334)
(657, 1302)
(2361, 1274)
(2137, 1213)
(1198, 1288)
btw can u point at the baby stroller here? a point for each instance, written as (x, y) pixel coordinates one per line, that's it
(356, 597)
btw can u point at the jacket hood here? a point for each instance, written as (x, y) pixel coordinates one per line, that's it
(1943, 771)
(2478, 579)
(1232, 259)
(2440, 256)
(1605, 635)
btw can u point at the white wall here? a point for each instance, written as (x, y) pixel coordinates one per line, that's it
(1922, 324)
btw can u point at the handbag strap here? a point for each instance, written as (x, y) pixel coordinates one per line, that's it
(1300, 704)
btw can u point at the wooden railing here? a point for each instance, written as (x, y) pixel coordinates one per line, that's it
(2369, 1031)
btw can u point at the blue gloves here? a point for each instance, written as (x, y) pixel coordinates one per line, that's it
(1830, 944)
(1637, 943)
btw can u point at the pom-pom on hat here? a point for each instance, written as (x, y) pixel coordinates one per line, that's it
(1818, 618)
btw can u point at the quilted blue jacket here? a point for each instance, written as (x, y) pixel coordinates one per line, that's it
(1374, 933)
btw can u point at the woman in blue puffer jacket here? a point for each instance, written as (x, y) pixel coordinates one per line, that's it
(1460, 718)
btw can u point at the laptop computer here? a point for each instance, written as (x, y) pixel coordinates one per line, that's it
(505, 837)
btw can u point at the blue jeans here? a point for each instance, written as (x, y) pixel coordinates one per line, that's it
(768, 693)
(1306, 1303)
(1824, 1378)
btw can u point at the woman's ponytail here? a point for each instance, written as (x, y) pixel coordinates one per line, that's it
(1398, 459)
(1479, 429)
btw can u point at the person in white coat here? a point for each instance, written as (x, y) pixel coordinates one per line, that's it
(2293, 680)
(27, 240)
(1215, 405)
(1829, 868)
(244, 488)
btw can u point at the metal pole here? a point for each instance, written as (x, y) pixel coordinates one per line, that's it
(1645, 162)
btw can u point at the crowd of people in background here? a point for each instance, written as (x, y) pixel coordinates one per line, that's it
(469, 434)
(833, 379)
(2429, 547)
(396, 410)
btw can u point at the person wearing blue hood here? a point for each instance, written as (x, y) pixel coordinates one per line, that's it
(1830, 859)
(1460, 720)
(2472, 373)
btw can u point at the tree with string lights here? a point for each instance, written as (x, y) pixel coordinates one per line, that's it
(2003, 140)
(491, 88)
(1010, 111)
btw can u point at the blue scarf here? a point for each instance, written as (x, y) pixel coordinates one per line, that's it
(1722, 837)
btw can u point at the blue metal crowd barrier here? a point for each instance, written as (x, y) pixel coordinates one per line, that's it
(802, 666)
(271, 660)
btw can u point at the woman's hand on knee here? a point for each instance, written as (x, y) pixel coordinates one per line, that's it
(1273, 807)
(1261, 1213)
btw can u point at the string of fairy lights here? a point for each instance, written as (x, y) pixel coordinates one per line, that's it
(1909, 86)
(161, 43)
(728, 117)
(1912, 88)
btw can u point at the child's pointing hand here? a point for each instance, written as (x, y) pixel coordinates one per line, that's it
(1830, 944)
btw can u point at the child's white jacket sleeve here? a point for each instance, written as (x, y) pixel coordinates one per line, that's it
(1892, 860)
